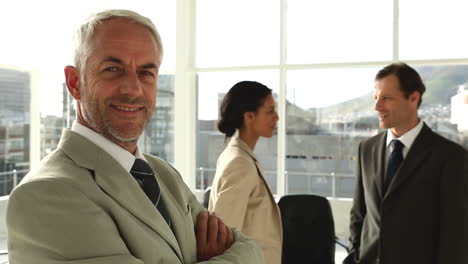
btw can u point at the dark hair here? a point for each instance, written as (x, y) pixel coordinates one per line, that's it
(408, 77)
(245, 96)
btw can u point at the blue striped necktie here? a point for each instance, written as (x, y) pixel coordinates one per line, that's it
(144, 175)
(394, 162)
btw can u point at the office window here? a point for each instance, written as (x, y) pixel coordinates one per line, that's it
(445, 102)
(237, 33)
(212, 88)
(433, 29)
(338, 31)
(326, 59)
(158, 138)
(42, 43)
(15, 95)
(327, 120)
(328, 112)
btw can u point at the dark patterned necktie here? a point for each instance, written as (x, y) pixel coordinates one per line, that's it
(145, 177)
(394, 162)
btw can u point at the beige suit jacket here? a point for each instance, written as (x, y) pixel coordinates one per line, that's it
(241, 196)
(81, 206)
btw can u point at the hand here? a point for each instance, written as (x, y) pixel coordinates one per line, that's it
(213, 236)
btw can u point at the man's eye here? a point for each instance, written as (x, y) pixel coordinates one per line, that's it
(112, 69)
(146, 73)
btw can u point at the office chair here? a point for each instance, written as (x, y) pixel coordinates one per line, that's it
(308, 230)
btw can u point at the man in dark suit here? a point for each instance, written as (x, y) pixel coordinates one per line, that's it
(411, 199)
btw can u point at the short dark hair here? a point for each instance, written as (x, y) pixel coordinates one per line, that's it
(408, 77)
(245, 96)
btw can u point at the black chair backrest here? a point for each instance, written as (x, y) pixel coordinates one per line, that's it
(308, 230)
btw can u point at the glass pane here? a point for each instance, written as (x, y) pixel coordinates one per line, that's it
(15, 96)
(328, 112)
(327, 120)
(158, 138)
(445, 103)
(433, 29)
(210, 142)
(46, 58)
(339, 31)
(41, 39)
(237, 33)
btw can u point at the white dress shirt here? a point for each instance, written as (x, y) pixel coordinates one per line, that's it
(406, 139)
(122, 156)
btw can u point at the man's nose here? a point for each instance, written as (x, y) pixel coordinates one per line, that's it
(378, 105)
(131, 85)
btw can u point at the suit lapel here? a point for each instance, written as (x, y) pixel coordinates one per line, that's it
(272, 198)
(378, 151)
(116, 182)
(415, 157)
(175, 213)
(262, 176)
(239, 143)
(121, 186)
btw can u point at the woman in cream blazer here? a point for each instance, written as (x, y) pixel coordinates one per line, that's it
(240, 194)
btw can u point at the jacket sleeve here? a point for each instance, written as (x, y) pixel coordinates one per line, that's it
(453, 204)
(358, 212)
(243, 251)
(230, 196)
(42, 230)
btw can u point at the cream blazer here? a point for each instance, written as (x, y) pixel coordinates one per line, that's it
(81, 206)
(241, 196)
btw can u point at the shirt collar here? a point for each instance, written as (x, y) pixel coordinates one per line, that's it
(408, 138)
(122, 156)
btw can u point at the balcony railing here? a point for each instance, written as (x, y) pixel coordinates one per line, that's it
(333, 185)
(9, 180)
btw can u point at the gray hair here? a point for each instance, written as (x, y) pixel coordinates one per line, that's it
(85, 33)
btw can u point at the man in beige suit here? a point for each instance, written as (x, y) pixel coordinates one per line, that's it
(97, 198)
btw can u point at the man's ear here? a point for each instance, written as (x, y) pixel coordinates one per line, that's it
(72, 77)
(414, 97)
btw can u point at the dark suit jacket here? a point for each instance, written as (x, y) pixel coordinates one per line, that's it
(423, 217)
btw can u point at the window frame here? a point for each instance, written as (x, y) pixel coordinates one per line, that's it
(184, 100)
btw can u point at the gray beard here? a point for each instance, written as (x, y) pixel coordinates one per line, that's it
(101, 124)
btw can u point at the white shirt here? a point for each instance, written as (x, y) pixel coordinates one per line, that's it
(122, 156)
(407, 139)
